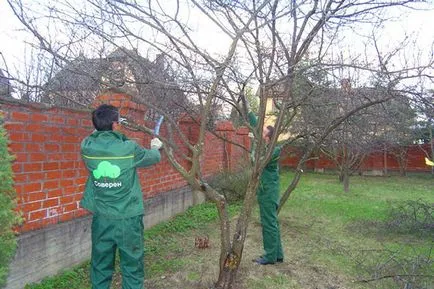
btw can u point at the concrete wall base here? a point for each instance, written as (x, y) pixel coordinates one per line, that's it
(373, 173)
(48, 251)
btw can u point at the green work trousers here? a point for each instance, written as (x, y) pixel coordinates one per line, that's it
(268, 204)
(126, 235)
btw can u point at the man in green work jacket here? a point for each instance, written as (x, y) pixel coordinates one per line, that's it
(268, 200)
(114, 197)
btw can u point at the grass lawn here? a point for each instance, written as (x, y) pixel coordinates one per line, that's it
(331, 240)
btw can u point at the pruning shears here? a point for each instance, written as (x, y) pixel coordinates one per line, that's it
(158, 125)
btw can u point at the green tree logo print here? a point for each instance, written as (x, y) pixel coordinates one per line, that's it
(106, 169)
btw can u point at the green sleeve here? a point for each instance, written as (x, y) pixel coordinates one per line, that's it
(253, 120)
(276, 154)
(144, 157)
(87, 200)
(273, 163)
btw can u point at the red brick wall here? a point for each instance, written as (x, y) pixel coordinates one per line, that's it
(374, 161)
(48, 171)
(238, 151)
(227, 153)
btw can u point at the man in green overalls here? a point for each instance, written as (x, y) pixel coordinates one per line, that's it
(114, 197)
(268, 200)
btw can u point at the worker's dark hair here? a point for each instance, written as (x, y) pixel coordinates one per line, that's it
(270, 131)
(104, 116)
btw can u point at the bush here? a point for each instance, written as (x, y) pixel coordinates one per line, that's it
(412, 217)
(8, 217)
(396, 268)
(232, 185)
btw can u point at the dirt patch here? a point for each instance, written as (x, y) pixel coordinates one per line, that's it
(200, 269)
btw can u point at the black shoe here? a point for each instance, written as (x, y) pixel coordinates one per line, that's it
(262, 261)
(279, 260)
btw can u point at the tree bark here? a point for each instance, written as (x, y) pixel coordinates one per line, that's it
(230, 259)
(402, 161)
(385, 170)
(432, 147)
(346, 179)
(229, 271)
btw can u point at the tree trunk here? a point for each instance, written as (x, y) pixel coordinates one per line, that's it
(431, 138)
(231, 263)
(341, 177)
(402, 166)
(229, 271)
(402, 172)
(346, 180)
(385, 162)
(230, 259)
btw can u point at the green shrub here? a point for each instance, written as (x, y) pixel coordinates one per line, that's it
(8, 217)
(231, 185)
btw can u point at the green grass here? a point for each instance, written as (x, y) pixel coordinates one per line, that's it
(330, 238)
(344, 226)
(278, 280)
(77, 278)
(369, 198)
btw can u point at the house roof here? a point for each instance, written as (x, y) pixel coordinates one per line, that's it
(81, 74)
(84, 74)
(3, 79)
(83, 78)
(5, 85)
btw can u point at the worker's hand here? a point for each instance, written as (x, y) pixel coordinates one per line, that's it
(251, 135)
(156, 144)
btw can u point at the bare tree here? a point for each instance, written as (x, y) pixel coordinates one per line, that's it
(347, 148)
(267, 41)
(388, 127)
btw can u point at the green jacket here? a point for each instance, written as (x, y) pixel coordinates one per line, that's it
(113, 187)
(269, 181)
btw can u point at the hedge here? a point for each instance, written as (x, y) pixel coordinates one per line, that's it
(8, 216)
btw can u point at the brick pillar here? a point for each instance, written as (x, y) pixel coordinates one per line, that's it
(128, 109)
(226, 130)
(243, 136)
(190, 128)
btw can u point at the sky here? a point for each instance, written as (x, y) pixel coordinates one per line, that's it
(14, 40)
(416, 24)
(11, 40)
